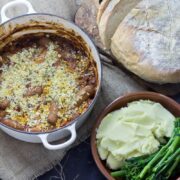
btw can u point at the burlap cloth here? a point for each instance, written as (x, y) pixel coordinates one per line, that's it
(23, 161)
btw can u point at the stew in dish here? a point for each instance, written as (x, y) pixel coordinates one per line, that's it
(46, 81)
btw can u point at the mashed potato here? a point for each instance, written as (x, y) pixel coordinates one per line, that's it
(133, 131)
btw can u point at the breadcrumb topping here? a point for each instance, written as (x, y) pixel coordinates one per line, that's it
(60, 84)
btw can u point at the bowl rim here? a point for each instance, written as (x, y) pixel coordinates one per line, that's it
(124, 98)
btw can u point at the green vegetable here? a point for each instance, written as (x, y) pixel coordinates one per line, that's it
(158, 166)
(173, 167)
(133, 167)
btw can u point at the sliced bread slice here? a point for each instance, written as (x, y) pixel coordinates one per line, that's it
(112, 17)
(101, 9)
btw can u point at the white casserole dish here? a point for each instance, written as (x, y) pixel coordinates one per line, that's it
(10, 25)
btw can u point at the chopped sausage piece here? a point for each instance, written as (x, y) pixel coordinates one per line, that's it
(82, 82)
(1, 60)
(44, 41)
(40, 59)
(53, 111)
(92, 80)
(34, 129)
(2, 114)
(85, 93)
(74, 116)
(31, 91)
(13, 124)
(4, 104)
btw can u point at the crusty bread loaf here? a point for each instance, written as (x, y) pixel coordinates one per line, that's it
(147, 42)
(112, 16)
(101, 9)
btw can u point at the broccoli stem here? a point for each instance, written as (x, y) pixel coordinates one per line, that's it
(165, 152)
(155, 159)
(152, 177)
(118, 173)
(175, 144)
(173, 167)
(138, 158)
(166, 164)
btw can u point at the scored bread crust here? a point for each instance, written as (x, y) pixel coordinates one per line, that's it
(147, 42)
(101, 9)
(112, 17)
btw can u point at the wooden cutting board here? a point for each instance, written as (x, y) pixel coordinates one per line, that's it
(86, 18)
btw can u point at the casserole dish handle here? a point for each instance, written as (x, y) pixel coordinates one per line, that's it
(26, 3)
(71, 129)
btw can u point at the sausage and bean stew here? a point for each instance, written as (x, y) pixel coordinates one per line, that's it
(46, 81)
